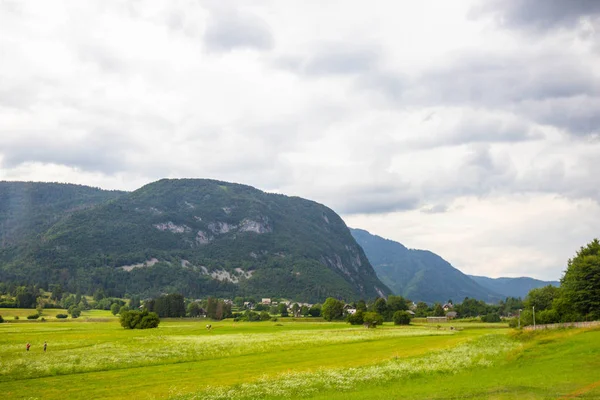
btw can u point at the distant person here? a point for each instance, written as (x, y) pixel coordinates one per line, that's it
(27, 346)
(45, 345)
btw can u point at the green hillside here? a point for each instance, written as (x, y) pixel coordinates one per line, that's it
(419, 275)
(198, 237)
(512, 287)
(28, 208)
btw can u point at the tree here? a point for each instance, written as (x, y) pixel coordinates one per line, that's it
(283, 310)
(541, 298)
(304, 311)
(401, 318)
(296, 310)
(139, 319)
(194, 309)
(264, 316)
(422, 309)
(361, 305)
(114, 308)
(396, 303)
(438, 311)
(315, 310)
(356, 319)
(380, 306)
(74, 311)
(372, 319)
(581, 283)
(123, 309)
(332, 309)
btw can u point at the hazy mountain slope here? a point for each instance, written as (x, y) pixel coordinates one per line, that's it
(418, 274)
(28, 208)
(201, 237)
(512, 287)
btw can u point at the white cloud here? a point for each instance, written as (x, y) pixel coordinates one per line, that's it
(412, 119)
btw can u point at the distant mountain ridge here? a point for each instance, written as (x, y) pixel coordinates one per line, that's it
(424, 276)
(198, 237)
(419, 275)
(512, 287)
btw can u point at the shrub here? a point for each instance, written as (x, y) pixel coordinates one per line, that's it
(372, 319)
(356, 318)
(74, 311)
(33, 316)
(16, 317)
(139, 320)
(1, 319)
(61, 316)
(491, 317)
(264, 316)
(401, 318)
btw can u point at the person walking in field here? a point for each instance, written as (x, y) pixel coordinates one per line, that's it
(27, 346)
(45, 345)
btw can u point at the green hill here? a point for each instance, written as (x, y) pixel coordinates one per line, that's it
(419, 275)
(197, 237)
(512, 287)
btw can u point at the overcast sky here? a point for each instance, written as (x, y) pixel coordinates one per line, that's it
(471, 129)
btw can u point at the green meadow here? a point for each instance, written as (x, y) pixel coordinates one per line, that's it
(93, 357)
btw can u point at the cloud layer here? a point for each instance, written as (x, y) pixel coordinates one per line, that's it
(411, 120)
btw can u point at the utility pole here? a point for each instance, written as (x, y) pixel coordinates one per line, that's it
(520, 318)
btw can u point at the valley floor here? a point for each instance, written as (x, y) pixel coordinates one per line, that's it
(295, 359)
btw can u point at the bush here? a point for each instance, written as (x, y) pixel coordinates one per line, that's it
(356, 318)
(61, 316)
(16, 317)
(139, 320)
(372, 319)
(264, 316)
(491, 317)
(74, 311)
(1, 319)
(33, 316)
(401, 318)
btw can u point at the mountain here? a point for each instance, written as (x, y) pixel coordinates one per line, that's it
(419, 275)
(28, 208)
(512, 287)
(194, 236)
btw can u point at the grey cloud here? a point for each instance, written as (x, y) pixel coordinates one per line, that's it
(374, 199)
(489, 81)
(232, 29)
(538, 14)
(478, 126)
(100, 151)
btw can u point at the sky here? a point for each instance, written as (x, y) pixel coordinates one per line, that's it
(468, 128)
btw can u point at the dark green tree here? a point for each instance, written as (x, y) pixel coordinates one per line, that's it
(372, 319)
(283, 310)
(315, 310)
(139, 319)
(438, 311)
(332, 309)
(356, 319)
(114, 308)
(581, 283)
(541, 298)
(401, 318)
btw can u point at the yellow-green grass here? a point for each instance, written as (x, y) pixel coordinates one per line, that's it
(182, 359)
(9, 314)
(182, 356)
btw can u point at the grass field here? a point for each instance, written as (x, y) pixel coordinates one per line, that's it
(287, 359)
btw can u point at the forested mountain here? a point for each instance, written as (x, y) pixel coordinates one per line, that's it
(512, 287)
(28, 208)
(193, 236)
(419, 275)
